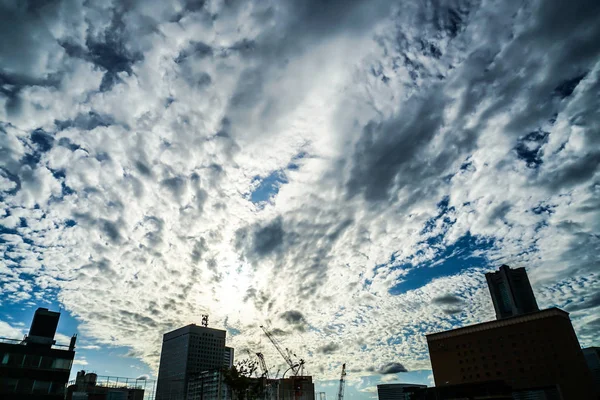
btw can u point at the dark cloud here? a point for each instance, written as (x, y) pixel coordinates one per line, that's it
(195, 50)
(86, 121)
(262, 241)
(391, 368)
(175, 185)
(447, 300)
(591, 302)
(200, 247)
(293, 317)
(390, 154)
(452, 311)
(110, 229)
(329, 348)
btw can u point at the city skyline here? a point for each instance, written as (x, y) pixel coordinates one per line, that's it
(344, 173)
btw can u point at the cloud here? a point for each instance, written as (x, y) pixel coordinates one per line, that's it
(447, 300)
(133, 137)
(591, 302)
(329, 348)
(391, 368)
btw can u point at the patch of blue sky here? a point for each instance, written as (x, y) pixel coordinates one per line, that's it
(467, 252)
(268, 187)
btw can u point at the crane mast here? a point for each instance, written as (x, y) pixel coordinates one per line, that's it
(340, 395)
(285, 354)
(263, 365)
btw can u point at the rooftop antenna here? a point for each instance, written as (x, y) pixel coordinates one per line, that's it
(205, 320)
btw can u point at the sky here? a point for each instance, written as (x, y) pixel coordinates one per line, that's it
(343, 172)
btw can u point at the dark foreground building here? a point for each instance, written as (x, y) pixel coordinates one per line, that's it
(592, 358)
(535, 352)
(36, 368)
(397, 391)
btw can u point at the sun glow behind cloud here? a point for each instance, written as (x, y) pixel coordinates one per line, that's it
(344, 173)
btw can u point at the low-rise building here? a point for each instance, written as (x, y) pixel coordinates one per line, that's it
(89, 386)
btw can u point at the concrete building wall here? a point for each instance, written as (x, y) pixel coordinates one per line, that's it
(533, 350)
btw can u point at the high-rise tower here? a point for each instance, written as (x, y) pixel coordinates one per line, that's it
(511, 292)
(185, 353)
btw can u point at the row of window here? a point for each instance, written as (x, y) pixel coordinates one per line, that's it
(34, 361)
(30, 386)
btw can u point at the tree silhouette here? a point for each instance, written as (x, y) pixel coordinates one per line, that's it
(241, 382)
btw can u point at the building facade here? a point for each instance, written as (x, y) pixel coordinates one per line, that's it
(396, 391)
(296, 388)
(36, 368)
(208, 385)
(186, 352)
(228, 357)
(511, 292)
(533, 352)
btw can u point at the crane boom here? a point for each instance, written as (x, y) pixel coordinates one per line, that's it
(263, 365)
(340, 395)
(285, 355)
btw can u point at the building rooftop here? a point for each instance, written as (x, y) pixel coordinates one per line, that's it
(550, 312)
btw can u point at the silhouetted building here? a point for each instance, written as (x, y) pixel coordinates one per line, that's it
(592, 358)
(185, 353)
(511, 292)
(296, 388)
(397, 391)
(538, 351)
(93, 387)
(36, 368)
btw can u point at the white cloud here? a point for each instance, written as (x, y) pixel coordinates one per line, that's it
(133, 202)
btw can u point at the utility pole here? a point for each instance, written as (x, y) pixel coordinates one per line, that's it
(340, 395)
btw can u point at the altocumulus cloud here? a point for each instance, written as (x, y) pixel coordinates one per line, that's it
(132, 136)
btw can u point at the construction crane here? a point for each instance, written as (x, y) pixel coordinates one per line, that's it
(295, 367)
(340, 395)
(263, 365)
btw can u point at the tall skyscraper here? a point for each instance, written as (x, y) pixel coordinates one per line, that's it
(185, 353)
(511, 292)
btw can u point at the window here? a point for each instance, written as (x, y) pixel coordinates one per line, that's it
(25, 385)
(46, 362)
(8, 385)
(41, 387)
(32, 361)
(61, 363)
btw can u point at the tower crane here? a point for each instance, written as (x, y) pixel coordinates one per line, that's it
(295, 367)
(340, 395)
(263, 365)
